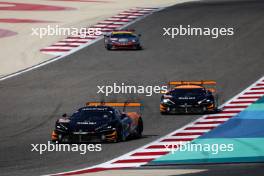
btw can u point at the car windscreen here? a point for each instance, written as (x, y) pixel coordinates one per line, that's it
(188, 92)
(92, 115)
(123, 36)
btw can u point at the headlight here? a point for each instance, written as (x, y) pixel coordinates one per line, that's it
(200, 102)
(104, 127)
(134, 40)
(62, 127)
(165, 100)
(98, 128)
(203, 101)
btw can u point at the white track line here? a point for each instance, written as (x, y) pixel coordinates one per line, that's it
(214, 120)
(61, 55)
(205, 125)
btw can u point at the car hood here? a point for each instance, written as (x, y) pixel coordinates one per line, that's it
(181, 100)
(88, 126)
(123, 39)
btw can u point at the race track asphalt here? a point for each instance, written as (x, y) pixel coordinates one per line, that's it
(30, 103)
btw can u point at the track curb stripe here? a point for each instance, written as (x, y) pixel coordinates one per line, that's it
(150, 153)
(116, 22)
(58, 55)
(189, 132)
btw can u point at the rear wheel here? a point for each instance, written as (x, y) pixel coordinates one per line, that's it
(121, 135)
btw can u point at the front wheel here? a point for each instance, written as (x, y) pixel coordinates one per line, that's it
(63, 138)
(164, 113)
(121, 135)
(108, 47)
(140, 128)
(202, 110)
(138, 47)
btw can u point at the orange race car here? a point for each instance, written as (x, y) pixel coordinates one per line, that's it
(122, 39)
(99, 121)
(189, 97)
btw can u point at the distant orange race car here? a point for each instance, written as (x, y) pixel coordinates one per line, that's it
(189, 97)
(99, 121)
(122, 39)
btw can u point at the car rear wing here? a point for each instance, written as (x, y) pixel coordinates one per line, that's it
(208, 84)
(117, 104)
(121, 30)
(124, 30)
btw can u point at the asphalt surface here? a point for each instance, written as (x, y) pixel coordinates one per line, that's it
(30, 103)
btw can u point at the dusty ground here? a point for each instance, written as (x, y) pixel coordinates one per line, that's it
(22, 50)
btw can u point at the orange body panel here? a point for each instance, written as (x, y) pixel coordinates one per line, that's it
(188, 87)
(113, 104)
(194, 87)
(205, 82)
(134, 116)
(54, 136)
(162, 108)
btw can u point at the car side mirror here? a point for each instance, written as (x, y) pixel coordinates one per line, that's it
(139, 35)
(64, 115)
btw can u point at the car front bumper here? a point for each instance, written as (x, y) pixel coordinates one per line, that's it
(183, 109)
(79, 137)
(125, 46)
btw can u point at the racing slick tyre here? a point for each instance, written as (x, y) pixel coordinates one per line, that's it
(203, 110)
(140, 128)
(138, 47)
(120, 135)
(108, 47)
(164, 113)
(63, 139)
